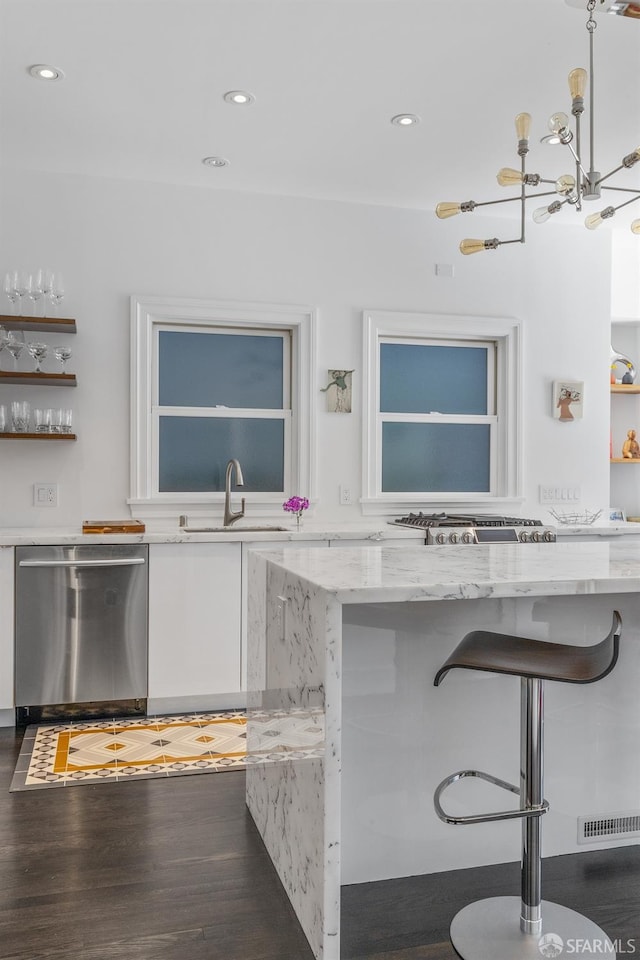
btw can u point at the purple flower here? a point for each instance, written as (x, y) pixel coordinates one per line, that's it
(296, 505)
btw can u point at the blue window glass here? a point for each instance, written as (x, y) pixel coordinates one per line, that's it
(194, 452)
(426, 378)
(209, 370)
(435, 457)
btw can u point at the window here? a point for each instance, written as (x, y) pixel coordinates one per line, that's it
(442, 412)
(214, 381)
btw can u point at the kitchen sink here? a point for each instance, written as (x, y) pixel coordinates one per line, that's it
(265, 528)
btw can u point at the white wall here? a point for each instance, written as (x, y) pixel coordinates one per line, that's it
(113, 238)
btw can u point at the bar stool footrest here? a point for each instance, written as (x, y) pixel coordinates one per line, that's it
(532, 811)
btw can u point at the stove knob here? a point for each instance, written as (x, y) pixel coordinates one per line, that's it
(549, 536)
(467, 537)
(535, 537)
(524, 536)
(440, 538)
(453, 538)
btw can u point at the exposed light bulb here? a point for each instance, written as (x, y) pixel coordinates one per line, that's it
(593, 220)
(476, 246)
(635, 226)
(541, 215)
(577, 82)
(508, 177)
(444, 210)
(471, 246)
(560, 132)
(565, 184)
(523, 124)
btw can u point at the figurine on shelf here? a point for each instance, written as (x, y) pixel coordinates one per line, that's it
(631, 447)
(630, 370)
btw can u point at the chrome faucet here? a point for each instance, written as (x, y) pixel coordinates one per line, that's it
(229, 516)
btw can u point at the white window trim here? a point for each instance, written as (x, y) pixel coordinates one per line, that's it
(508, 479)
(149, 312)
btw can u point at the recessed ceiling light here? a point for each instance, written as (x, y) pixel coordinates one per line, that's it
(405, 119)
(215, 162)
(242, 98)
(44, 71)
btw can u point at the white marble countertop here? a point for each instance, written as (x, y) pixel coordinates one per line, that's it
(384, 574)
(603, 529)
(375, 531)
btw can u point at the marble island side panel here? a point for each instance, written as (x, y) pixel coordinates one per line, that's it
(357, 639)
(293, 683)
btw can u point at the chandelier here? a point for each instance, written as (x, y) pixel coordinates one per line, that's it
(568, 189)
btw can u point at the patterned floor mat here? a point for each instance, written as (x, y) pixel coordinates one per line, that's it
(65, 754)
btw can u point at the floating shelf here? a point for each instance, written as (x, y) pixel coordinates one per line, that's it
(39, 379)
(38, 436)
(41, 324)
(625, 388)
(623, 460)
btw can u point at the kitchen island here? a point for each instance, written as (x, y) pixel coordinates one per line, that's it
(351, 640)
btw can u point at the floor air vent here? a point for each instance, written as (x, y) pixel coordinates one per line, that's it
(609, 826)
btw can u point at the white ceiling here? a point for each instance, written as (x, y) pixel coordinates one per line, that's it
(144, 81)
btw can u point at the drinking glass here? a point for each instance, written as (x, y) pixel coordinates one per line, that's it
(56, 420)
(66, 421)
(62, 354)
(10, 280)
(34, 290)
(57, 290)
(42, 420)
(20, 416)
(38, 351)
(15, 346)
(3, 418)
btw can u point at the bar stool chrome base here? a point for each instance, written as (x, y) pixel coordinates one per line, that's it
(489, 930)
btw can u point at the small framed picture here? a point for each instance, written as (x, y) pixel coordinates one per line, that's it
(568, 400)
(617, 513)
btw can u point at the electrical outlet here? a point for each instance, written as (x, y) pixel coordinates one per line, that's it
(345, 495)
(45, 494)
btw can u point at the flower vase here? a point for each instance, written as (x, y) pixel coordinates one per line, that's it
(298, 521)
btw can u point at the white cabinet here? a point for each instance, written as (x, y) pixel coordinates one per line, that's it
(6, 636)
(194, 623)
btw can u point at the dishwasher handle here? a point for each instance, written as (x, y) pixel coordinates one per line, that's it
(115, 562)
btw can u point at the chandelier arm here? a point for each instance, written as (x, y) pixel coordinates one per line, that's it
(591, 29)
(627, 202)
(528, 196)
(523, 196)
(578, 163)
(577, 156)
(610, 174)
(622, 190)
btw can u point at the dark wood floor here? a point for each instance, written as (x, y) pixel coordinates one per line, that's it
(175, 870)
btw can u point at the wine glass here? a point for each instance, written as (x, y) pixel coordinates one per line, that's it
(57, 290)
(34, 289)
(4, 336)
(10, 280)
(62, 354)
(21, 285)
(15, 348)
(45, 278)
(38, 351)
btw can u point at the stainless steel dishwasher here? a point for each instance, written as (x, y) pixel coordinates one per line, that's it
(81, 631)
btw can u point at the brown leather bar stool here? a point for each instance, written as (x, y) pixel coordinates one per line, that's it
(489, 929)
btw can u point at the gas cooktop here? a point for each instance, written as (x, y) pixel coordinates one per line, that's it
(453, 528)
